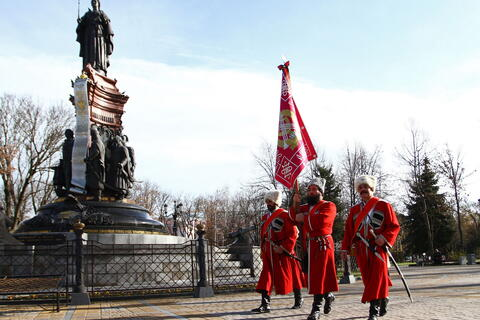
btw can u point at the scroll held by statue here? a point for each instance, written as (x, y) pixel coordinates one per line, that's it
(82, 135)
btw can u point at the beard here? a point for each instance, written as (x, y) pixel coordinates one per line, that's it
(270, 208)
(313, 200)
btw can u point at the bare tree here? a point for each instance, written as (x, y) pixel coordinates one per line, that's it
(149, 195)
(266, 164)
(265, 159)
(358, 161)
(450, 166)
(36, 134)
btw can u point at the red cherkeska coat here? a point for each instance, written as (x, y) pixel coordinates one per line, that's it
(279, 270)
(317, 238)
(382, 219)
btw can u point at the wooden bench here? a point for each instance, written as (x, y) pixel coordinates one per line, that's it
(32, 285)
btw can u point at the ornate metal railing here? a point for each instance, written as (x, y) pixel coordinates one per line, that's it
(135, 269)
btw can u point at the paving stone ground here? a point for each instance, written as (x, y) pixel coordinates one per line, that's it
(444, 292)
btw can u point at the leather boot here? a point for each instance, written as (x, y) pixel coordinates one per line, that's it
(265, 305)
(374, 309)
(329, 298)
(297, 293)
(317, 304)
(383, 306)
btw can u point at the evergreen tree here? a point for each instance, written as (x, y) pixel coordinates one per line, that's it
(429, 224)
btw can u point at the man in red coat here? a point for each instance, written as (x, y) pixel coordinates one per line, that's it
(281, 271)
(317, 217)
(371, 214)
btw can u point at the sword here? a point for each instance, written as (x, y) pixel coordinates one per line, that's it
(369, 246)
(387, 248)
(284, 250)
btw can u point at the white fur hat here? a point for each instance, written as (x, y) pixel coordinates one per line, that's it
(371, 181)
(319, 182)
(275, 196)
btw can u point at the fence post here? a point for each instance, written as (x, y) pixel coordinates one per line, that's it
(347, 276)
(79, 295)
(202, 290)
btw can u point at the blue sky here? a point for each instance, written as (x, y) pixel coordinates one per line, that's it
(209, 59)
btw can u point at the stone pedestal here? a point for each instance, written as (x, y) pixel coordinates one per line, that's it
(203, 292)
(98, 216)
(79, 299)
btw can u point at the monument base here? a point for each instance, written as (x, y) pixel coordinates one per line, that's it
(203, 292)
(79, 299)
(132, 238)
(98, 216)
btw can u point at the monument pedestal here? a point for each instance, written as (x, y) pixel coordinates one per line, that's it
(203, 292)
(98, 217)
(79, 299)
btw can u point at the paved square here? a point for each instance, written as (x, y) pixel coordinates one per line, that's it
(446, 292)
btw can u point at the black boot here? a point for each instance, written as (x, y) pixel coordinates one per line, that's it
(329, 298)
(374, 309)
(265, 306)
(317, 304)
(297, 293)
(383, 306)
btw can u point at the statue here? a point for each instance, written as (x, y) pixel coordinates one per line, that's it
(63, 172)
(131, 162)
(67, 150)
(95, 175)
(117, 178)
(95, 36)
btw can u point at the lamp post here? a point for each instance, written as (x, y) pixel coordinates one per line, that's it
(202, 290)
(165, 206)
(79, 295)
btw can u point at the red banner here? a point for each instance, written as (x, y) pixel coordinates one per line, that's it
(294, 148)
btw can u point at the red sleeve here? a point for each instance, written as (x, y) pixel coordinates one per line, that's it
(348, 234)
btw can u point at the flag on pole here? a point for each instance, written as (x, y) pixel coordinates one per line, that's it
(294, 147)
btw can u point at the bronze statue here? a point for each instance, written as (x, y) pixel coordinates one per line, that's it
(131, 162)
(67, 150)
(95, 175)
(117, 177)
(63, 172)
(95, 36)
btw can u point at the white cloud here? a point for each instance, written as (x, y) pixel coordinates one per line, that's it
(195, 129)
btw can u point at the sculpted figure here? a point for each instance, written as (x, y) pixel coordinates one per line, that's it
(117, 175)
(131, 162)
(95, 165)
(95, 36)
(67, 150)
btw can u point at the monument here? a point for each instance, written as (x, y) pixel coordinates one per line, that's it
(96, 173)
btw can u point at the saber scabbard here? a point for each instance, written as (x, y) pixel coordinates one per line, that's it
(387, 248)
(284, 250)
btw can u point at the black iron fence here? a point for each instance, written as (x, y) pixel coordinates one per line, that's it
(149, 268)
(238, 266)
(137, 269)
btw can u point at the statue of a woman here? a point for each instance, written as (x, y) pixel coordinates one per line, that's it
(95, 160)
(95, 36)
